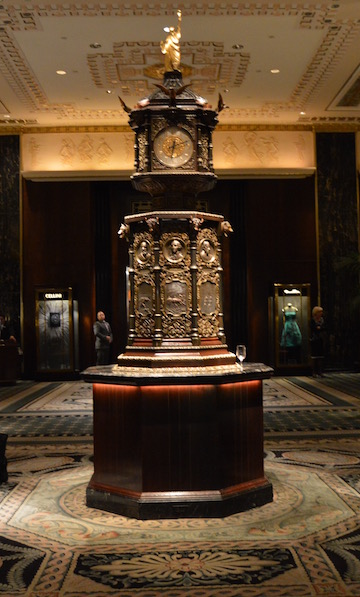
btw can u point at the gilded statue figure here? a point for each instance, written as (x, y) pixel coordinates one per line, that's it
(171, 47)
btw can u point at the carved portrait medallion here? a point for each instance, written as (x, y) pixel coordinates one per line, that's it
(207, 250)
(143, 253)
(175, 250)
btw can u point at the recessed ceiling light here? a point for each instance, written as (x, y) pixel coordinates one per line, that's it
(108, 91)
(6, 116)
(61, 72)
(95, 45)
(302, 113)
(166, 29)
(237, 47)
(275, 71)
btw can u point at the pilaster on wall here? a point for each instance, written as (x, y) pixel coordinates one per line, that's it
(10, 230)
(338, 237)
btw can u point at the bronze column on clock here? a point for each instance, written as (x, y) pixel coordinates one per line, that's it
(178, 423)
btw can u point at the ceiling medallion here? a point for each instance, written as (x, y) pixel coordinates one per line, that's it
(156, 71)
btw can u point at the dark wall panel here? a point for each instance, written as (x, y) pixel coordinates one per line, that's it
(338, 237)
(58, 252)
(280, 231)
(10, 230)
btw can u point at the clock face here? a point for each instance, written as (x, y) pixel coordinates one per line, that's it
(173, 146)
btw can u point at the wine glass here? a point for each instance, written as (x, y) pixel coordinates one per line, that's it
(241, 353)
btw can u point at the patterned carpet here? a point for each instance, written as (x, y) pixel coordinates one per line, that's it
(305, 543)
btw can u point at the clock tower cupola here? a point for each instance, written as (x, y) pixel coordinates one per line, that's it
(173, 136)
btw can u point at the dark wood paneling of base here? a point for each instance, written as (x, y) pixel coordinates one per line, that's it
(186, 450)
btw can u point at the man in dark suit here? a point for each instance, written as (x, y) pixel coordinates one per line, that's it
(103, 339)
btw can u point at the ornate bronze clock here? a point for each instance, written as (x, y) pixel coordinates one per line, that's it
(173, 146)
(173, 141)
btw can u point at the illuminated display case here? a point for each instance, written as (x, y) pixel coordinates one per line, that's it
(289, 316)
(57, 318)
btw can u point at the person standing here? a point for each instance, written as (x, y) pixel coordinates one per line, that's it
(317, 329)
(103, 339)
(6, 333)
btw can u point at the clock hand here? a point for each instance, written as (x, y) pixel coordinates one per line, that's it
(177, 145)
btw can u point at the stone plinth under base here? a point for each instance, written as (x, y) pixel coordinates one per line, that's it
(192, 504)
(182, 445)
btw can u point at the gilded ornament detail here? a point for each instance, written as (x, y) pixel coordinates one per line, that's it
(143, 250)
(142, 156)
(175, 249)
(203, 152)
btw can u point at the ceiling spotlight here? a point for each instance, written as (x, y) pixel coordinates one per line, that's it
(237, 47)
(61, 72)
(95, 45)
(167, 29)
(302, 113)
(275, 71)
(108, 91)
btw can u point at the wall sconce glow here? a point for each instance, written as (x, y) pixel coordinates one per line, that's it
(61, 72)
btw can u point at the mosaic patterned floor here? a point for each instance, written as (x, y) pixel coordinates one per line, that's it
(305, 543)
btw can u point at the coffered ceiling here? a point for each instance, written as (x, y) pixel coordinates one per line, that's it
(111, 49)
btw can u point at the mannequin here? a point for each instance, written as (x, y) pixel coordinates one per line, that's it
(291, 337)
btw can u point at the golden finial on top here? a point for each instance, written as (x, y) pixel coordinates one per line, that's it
(171, 46)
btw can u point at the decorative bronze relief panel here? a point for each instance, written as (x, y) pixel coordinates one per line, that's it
(145, 299)
(175, 284)
(208, 300)
(175, 296)
(175, 276)
(144, 284)
(142, 156)
(204, 151)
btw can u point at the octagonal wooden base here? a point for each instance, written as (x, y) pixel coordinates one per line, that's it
(187, 449)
